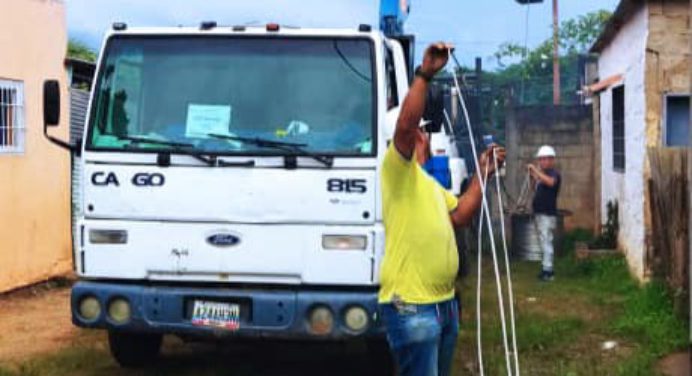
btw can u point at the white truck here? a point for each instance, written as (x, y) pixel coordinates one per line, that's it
(230, 183)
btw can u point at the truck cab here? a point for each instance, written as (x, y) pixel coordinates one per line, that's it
(230, 184)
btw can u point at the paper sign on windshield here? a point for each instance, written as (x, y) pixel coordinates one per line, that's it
(203, 119)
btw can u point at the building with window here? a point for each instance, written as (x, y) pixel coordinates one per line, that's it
(34, 174)
(641, 100)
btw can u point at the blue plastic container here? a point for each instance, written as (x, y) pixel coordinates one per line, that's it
(438, 167)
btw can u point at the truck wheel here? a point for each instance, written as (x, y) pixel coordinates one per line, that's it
(380, 357)
(132, 350)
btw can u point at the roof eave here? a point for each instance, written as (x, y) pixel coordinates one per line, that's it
(622, 15)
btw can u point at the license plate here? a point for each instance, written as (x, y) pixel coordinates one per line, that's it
(216, 314)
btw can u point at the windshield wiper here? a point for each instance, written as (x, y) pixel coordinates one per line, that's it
(295, 148)
(178, 147)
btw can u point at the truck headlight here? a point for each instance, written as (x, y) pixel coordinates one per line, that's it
(107, 236)
(89, 308)
(119, 310)
(344, 242)
(321, 320)
(356, 319)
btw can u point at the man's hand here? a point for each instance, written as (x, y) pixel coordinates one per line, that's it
(435, 58)
(487, 160)
(412, 108)
(537, 174)
(531, 169)
(470, 201)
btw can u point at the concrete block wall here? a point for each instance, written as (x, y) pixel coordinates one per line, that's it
(570, 130)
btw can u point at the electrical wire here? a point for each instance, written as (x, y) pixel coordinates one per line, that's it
(479, 326)
(522, 200)
(485, 209)
(507, 269)
(479, 323)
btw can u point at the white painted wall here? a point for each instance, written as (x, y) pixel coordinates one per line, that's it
(626, 55)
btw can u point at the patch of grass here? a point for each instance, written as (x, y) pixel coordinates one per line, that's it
(562, 328)
(535, 332)
(643, 316)
(648, 318)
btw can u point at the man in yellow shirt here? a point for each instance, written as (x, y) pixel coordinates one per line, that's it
(420, 263)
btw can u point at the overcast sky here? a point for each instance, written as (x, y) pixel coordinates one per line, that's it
(477, 27)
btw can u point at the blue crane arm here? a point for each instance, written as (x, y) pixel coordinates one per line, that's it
(393, 14)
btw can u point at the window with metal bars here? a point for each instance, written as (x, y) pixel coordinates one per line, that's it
(11, 116)
(619, 128)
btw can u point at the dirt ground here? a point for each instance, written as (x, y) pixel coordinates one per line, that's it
(679, 364)
(45, 314)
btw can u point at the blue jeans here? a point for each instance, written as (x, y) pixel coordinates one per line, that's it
(422, 338)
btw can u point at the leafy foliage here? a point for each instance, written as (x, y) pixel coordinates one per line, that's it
(609, 236)
(530, 71)
(79, 50)
(525, 75)
(575, 36)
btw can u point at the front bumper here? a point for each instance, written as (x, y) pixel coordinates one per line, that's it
(265, 312)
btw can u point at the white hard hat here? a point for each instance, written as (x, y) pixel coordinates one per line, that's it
(546, 151)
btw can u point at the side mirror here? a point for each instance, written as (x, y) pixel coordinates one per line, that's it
(51, 112)
(434, 110)
(51, 103)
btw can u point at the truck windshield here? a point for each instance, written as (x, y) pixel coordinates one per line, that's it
(312, 91)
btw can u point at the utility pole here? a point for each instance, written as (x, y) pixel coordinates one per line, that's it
(479, 95)
(556, 56)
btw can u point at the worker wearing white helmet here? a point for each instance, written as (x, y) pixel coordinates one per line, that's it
(547, 180)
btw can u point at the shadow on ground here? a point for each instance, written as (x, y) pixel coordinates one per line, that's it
(207, 359)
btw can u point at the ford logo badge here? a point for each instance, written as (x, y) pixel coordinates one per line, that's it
(223, 240)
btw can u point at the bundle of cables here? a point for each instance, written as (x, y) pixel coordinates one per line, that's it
(511, 353)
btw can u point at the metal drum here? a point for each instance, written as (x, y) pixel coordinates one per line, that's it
(525, 244)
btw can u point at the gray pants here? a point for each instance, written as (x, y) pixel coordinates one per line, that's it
(545, 225)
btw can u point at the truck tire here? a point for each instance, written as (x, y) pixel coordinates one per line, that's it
(380, 357)
(133, 350)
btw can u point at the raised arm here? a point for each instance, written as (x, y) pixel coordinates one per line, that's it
(412, 109)
(471, 200)
(541, 176)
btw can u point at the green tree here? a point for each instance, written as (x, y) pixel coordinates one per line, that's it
(79, 50)
(525, 75)
(575, 36)
(530, 72)
(578, 34)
